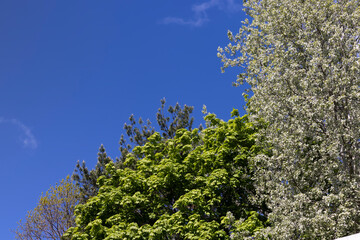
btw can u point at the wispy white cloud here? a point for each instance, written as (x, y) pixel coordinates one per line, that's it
(200, 12)
(27, 138)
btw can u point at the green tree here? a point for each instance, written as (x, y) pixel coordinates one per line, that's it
(53, 215)
(168, 122)
(301, 59)
(196, 185)
(86, 180)
(137, 133)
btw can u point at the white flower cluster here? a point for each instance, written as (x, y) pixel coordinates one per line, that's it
(301, 59)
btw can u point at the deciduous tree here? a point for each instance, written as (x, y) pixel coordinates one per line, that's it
(301, 59)
(53, 215)
(168, 122)
(137, 133)
(195, 185)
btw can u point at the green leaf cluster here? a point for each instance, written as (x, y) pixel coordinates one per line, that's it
(137, 133)
(184, 187)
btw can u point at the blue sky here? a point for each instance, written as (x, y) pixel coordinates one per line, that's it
(72, 72)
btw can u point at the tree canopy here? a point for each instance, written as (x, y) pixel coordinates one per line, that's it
(86, 179)
(196, 185)
(53, 215)
(138, 133)
(301, 59)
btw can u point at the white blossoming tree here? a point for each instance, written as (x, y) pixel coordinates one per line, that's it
(301, 59)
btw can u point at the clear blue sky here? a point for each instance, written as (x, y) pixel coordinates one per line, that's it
(72, 72)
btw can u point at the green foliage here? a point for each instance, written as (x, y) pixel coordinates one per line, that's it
(138, 134)
(168, 122)
(181, 188)
(86, 180)
(244, 228)
(53, 215)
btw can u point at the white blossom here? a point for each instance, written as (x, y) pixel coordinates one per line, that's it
(301, 59)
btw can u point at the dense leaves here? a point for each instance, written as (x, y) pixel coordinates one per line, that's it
(193, 186)
(301, 59)
(137, 133)
(168, 122)
(53, 215)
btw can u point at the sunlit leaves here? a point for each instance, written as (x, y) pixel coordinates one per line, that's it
(180, 189)
(137, 134)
